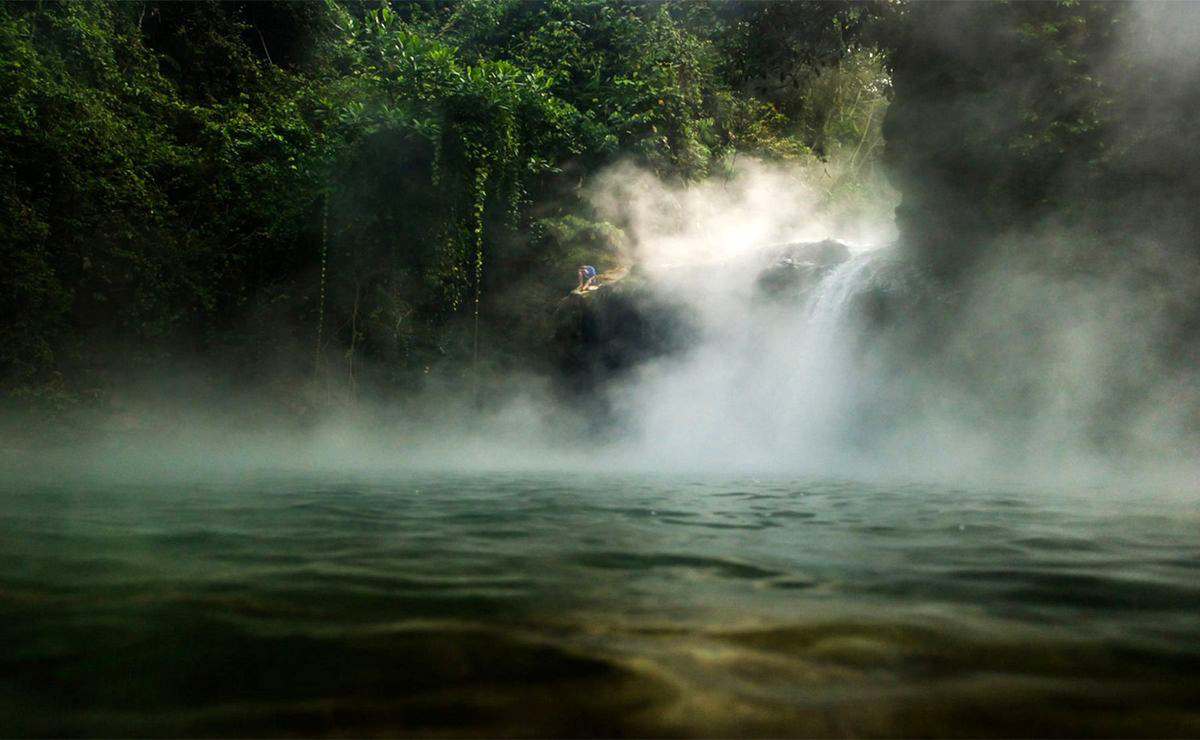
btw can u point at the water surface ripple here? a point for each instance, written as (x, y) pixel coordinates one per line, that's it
(548, 606)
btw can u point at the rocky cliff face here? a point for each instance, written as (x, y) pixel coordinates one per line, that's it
(1045, 153)
(1011, 121)
(605, 332)
(798, 267)
(600, 334)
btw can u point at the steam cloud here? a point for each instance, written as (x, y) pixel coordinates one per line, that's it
(1036, 379)
(795, 386)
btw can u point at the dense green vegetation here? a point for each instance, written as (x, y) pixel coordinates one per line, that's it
(280, 187)
(382, 192)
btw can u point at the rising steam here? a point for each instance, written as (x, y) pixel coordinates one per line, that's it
(1030, 378)
(795, 383)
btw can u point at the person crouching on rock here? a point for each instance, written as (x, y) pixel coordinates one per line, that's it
(587, 276)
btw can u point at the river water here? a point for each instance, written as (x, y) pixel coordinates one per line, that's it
(555, 604)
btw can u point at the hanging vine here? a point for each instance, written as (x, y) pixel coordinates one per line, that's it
(479, 198)
(324, 263)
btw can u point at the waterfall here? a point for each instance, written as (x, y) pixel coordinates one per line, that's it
(858, 363)
(829, 302)
(813, 364)
(769, 380)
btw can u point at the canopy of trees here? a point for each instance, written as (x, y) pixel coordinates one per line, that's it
(322, 181)
(285, 188)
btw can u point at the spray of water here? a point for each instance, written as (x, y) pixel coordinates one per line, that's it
(793, 378)
(772, 374)
(1022, 380)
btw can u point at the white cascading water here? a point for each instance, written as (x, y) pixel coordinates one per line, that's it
(830, 299)
(770, 382)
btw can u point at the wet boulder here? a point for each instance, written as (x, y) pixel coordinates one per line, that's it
(602, 333)
(799, 266)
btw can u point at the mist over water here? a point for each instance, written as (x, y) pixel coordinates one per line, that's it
(1035, 380)
(769, 381)
(850, 497)
(1027, 376)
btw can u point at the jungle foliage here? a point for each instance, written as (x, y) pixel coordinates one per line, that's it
(385, 192)
(284, 187)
